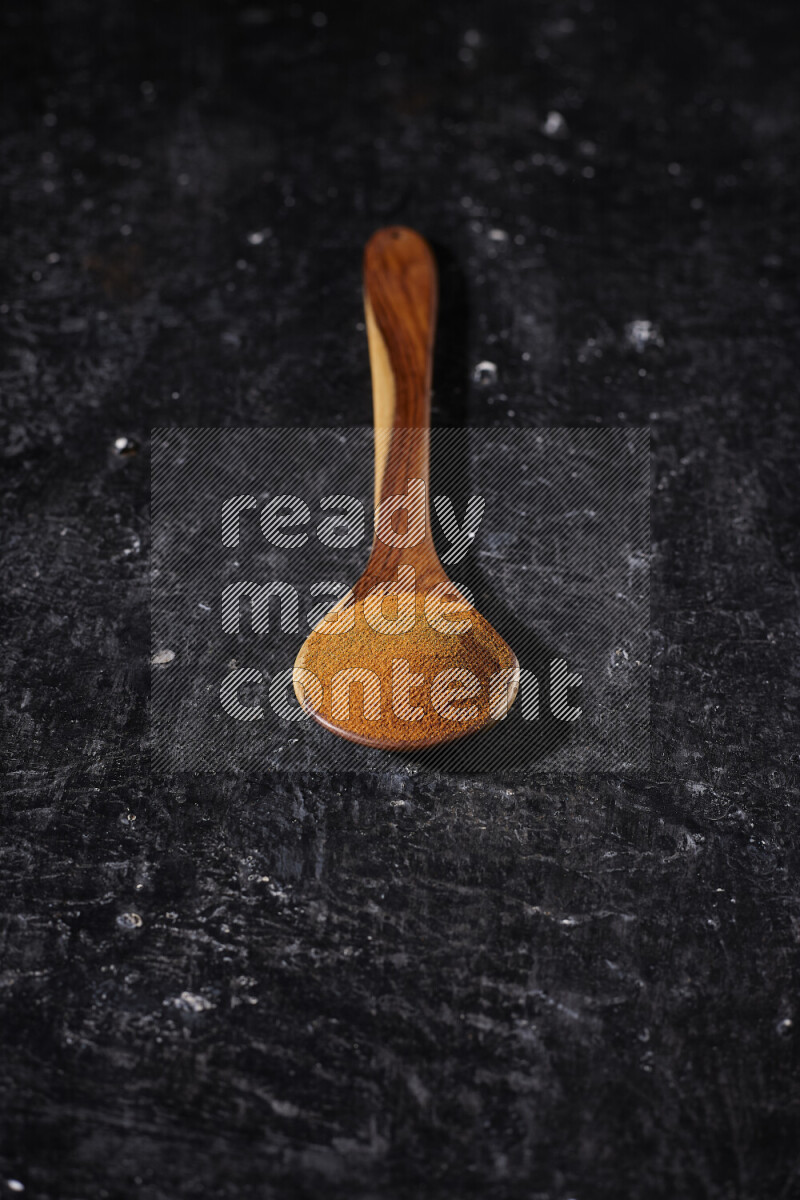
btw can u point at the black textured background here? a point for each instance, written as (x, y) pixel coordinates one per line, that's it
(393, 987)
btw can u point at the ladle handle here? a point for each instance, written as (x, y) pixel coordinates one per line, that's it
(400, 295)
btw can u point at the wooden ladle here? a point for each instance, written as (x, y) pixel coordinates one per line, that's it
(403, 661)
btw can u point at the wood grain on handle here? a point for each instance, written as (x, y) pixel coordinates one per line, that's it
(400, 299)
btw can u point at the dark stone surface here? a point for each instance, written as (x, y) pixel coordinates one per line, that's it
(389, 986)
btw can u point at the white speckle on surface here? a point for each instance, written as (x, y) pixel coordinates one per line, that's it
(191, 1002)
(129, 920)
(498, 235)
(637, 560)
(14, 1185)
(641, 333)
(162, 658)
(554, 125)
(485, 373)
(618, 657)
(785, 1025)
(258, 237)
(284, 1108)
(125, 445)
